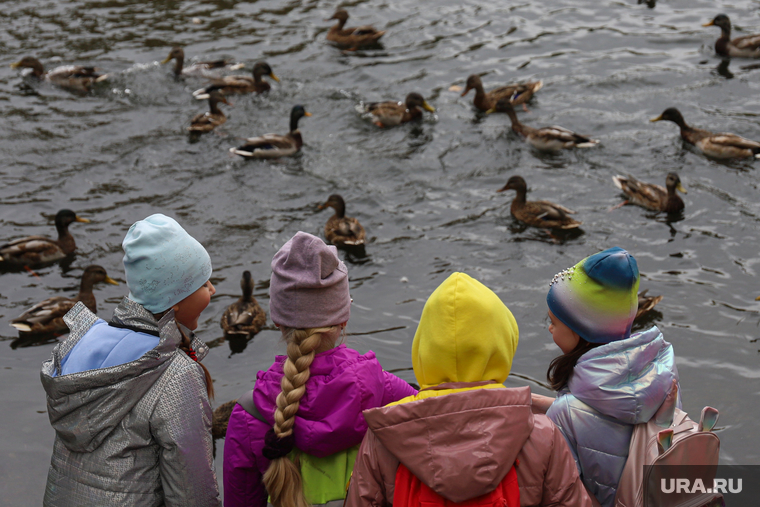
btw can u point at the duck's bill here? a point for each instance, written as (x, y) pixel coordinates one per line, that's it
(659, 118)
(166, 60)
(111, 281)
(271, 74)
(709, 23)
(681, 188)
(15, 65)
(306, 113)
(492, 110)
(757, 298)
(465, 91)
(83, 220)
(428, 107)
(504, 188)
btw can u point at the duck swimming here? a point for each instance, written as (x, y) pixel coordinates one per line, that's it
(516, 93)
(199, 69)
(244, 317)
(46, 318)
(722, 145)
(741, 47)
(391, 113)
(73, 77)
(651, 196)
(545, 138)
(206, 122)
(353, 37)
(275, 145)
(34, 251)
(341, 230)
(242, 84)
(537, 213)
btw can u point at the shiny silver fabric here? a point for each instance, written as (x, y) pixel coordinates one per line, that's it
(136, 434)
(613, 387)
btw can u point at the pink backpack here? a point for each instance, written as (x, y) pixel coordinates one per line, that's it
(671, 438)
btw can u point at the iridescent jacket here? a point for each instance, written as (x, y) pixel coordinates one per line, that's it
(135, 433)
(612, 387)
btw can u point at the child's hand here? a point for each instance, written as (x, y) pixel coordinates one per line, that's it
(541, 403)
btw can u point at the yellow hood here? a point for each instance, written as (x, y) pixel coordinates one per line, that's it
(466, 334)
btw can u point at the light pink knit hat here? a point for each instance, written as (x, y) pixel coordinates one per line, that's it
(309, 284)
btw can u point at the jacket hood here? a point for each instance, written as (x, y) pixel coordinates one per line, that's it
(85, 407)
(461, 445)
(627, 379)
(466, 334)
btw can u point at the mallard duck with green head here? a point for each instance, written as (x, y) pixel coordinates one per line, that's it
(73, 77)
(546, 138)
(34, 251)
(242, 84)
(352, 37)
(275, 145)
(206, 122)
(392, 113)
(244, 317)
(537, 213)
(721, 145)
(200, 69)
(651, 196)
(515, 93)
(46, 318)
(741, 47)
(341, 230)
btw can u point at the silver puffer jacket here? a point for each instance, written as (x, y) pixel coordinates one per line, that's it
(136, 434)
(612, 387)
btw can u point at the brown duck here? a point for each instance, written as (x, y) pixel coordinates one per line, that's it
(537, 213)
(342, 230)
(651, 196)
(206, 122)
(242, 84)
(46, 318)
(741, 47)
(74, 77)
(391, 113)
(198, 68)
(35, 251)
(646, 303)
(245, 316)
(353, 37)
(515, 94)
(275, 145)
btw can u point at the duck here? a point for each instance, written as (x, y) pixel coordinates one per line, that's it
(646, 303)
(198, 68)
(651, 196)
(354, 37)
(242, 84)
(34, 251)
(206, 122)
(721, 145)
(220, 419)
(546, 138)
(73, 77)
(46, 318)
(538, 213)
(341, 230)
(245, 316)
(741, 47)
(515, 94)
(275, 145)
(391, 113)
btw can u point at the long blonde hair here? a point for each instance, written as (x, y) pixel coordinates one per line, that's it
(283, 477)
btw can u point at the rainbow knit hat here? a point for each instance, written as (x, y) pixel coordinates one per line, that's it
(597, 298)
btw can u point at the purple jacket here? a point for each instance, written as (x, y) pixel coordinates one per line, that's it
(342, 384)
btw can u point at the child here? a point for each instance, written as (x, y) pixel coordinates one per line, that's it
(464, 436)
(607, 379)
(297, 439)
(128, 398)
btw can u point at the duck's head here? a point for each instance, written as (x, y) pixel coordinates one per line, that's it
(473, 82)
(246, 283)
(97, 274)
(29, 62)
(416, 100)
(671, 114)
(502, 106)
(335, 202)
(296, 114)
(673, 181)
(263, 69)
(66, 217)
(721, 21)
(514, 183)
(175, 54)
(341, 15)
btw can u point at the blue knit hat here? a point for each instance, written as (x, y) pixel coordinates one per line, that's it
(163, 263)
(597, 298)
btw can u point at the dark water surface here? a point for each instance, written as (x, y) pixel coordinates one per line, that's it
(426, 192)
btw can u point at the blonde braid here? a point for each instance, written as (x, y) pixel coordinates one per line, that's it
(283, 477)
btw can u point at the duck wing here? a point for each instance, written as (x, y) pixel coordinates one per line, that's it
(750, 42)
(552, 211)
(36, 318)
(267, 146)
(31, 250)
(230, 84)
(727, 139)
(205, 122)
(387, 114)
(648, 195)
(243, 317)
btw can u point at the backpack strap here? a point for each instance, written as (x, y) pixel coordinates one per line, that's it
(246, 401)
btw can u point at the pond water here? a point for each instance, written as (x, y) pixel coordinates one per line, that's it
(425, 192)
